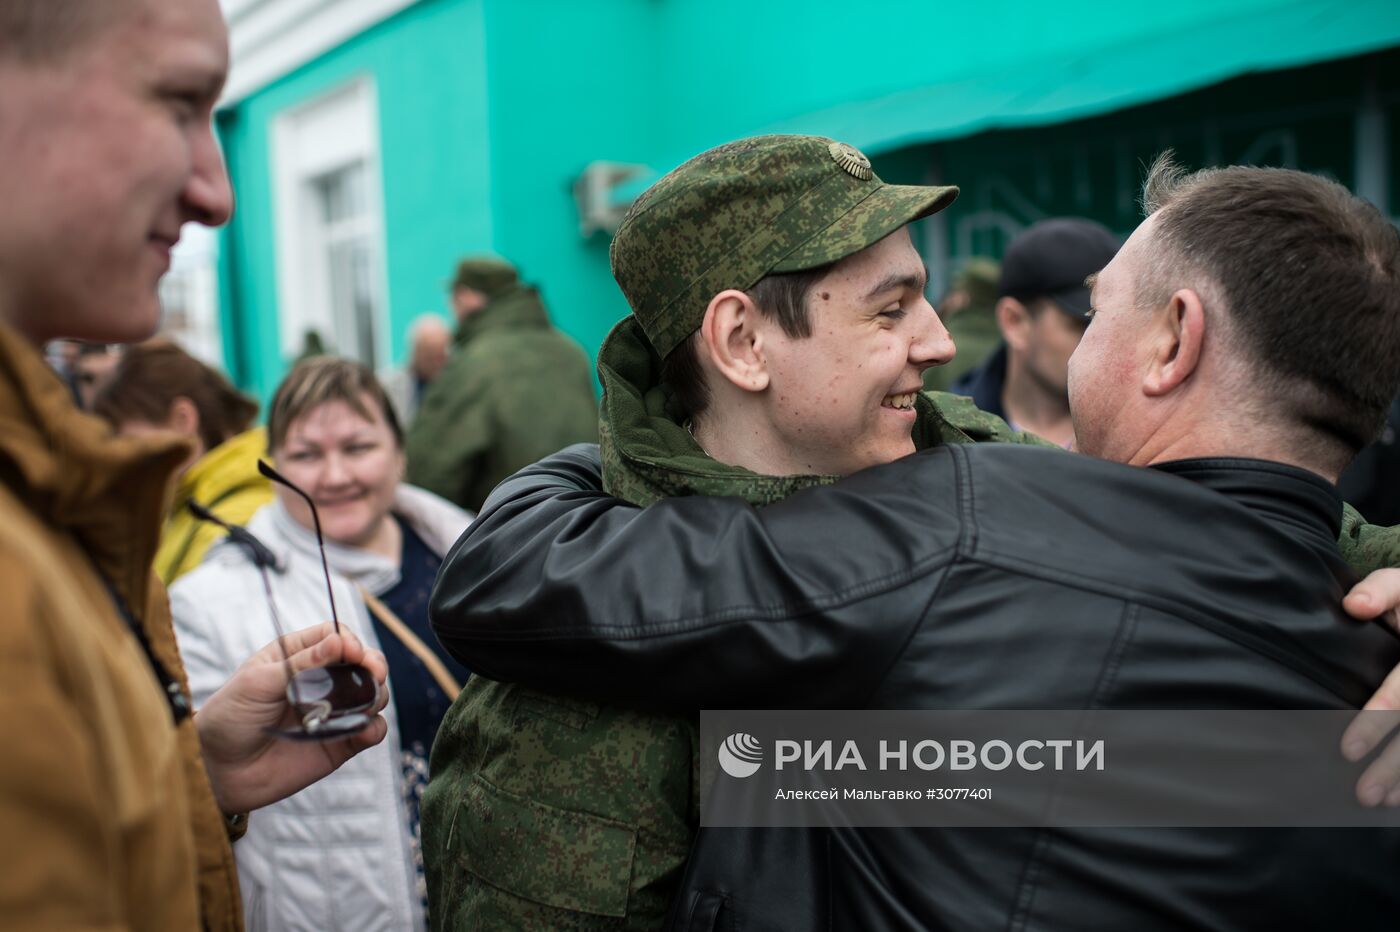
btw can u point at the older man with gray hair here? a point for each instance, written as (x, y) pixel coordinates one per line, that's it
(428, 343)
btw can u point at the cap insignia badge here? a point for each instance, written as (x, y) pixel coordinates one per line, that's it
(851, 160)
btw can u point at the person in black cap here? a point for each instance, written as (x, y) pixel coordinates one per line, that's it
(1024, 381)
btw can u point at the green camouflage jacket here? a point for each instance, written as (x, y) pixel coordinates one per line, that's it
(550, 813)
(513, 391)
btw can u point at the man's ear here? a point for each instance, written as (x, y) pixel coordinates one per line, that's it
(1014, 321)
(1176, 346)
(734, 342)
(183, 417)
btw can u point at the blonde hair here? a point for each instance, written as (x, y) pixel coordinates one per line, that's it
(319, 379)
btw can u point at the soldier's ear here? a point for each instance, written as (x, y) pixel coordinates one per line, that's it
(732, 342)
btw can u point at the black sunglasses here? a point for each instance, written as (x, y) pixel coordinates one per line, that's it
(330, 702)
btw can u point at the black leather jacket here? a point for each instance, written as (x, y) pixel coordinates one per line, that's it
(960, 577)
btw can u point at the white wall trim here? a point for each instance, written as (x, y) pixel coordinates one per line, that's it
(334, 130)
(271, 38)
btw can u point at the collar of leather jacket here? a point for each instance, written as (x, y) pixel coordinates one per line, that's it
(1285, 495)
(518, 307)
(648, 454)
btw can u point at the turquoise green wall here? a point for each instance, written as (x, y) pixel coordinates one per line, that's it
(435, 158)
(489, 110)
(739, 67)
(569, 83)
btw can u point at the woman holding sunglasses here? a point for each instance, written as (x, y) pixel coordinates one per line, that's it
(344, 852)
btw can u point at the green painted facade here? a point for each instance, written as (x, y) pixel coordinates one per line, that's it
(490, 109)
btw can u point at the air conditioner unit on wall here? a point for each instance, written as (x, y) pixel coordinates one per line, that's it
(603, 195)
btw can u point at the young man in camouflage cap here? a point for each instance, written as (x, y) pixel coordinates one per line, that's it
(778, 340)
(978, 577)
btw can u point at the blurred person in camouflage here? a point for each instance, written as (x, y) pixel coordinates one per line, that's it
(777, 342)
(514, 389)
(1042, 310)
(968, 310)
(1193, 560)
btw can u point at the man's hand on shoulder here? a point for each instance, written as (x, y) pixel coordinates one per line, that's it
(1377, 597)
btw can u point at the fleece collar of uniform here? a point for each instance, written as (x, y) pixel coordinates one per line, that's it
(76, 475)
(648, 454)
(518, 307)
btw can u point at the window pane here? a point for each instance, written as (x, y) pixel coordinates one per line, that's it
(352, 297)
(342, 194)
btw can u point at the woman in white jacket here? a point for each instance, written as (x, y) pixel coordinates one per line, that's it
(344, 853)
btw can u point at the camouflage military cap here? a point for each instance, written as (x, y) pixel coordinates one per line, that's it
(736, 213)
(486, 274)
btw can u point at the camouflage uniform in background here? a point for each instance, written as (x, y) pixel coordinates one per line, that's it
(973, 328)
(513, 391)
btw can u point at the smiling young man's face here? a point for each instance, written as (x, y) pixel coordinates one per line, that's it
(108, 150)
(842, 399)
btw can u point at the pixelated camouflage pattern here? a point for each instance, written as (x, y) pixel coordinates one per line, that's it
(1367, 547)
(548, 813)
(733, 214)
(513, 391)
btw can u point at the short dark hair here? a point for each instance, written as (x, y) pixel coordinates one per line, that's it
(781, 295)
(320, 379)
(151, 375)
(1309, 274)
(43, 30)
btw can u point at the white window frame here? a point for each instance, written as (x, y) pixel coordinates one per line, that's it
(328, 134)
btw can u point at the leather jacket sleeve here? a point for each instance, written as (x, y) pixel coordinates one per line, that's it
(693, 602)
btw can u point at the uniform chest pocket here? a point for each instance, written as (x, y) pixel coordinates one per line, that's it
(558, 857)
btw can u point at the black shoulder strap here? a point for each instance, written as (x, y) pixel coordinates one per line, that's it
(174, 695)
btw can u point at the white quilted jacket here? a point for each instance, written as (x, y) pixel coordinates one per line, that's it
(335, 856)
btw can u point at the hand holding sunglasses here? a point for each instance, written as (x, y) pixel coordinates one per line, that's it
(317, 685)
(250, 763)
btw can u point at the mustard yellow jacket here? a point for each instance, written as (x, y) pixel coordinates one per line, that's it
(106, 813)
(227, 482)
